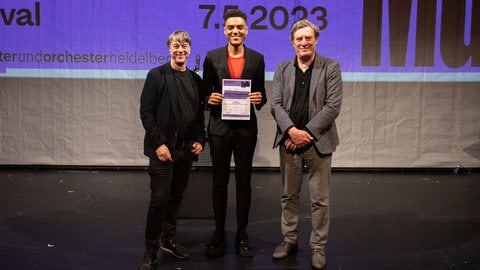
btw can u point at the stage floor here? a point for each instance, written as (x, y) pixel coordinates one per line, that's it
(95, 219)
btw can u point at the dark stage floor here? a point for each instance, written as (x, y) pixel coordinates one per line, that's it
(94, 219)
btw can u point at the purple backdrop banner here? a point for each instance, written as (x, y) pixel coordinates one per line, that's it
(364, 36)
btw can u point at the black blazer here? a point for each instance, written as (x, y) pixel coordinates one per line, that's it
(215, 69)
(157, 104)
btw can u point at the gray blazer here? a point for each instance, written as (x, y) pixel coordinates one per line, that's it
(325, 100)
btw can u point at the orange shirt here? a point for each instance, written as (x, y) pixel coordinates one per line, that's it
(235, 66)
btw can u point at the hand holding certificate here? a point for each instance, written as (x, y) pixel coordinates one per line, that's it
(236, 101)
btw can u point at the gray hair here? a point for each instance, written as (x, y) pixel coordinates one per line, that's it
(180, 36)
(302, 24)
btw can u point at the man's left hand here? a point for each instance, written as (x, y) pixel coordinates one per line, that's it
(255, 97)
(197, 148)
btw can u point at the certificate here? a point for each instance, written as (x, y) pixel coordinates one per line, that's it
(236, 103)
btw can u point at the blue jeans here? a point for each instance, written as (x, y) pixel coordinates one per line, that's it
(168, 181)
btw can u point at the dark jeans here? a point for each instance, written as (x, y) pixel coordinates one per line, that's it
(168, 181)
(221, 149)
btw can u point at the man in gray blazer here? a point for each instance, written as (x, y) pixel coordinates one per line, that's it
(306, 100)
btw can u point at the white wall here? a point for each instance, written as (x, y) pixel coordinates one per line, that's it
(96, 122)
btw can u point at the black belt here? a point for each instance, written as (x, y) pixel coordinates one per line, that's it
(184, 143)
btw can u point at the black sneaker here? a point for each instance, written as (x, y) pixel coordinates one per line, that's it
(243, 245)
(216, 245)
(171, 247)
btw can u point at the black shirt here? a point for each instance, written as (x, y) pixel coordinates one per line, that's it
(299, 109)
(186, 111)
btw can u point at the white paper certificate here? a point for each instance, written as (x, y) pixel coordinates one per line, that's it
(236, 103)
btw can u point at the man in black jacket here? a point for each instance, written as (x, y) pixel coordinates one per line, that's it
(171, 109)
(237, 137)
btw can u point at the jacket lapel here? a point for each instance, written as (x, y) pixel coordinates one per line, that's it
(316, 73)
(318, 69)
(291, 82)
(171, 89)
(247, 60)
(225, 64)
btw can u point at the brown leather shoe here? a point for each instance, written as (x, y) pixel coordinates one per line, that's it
(318, 258)
(284, 250)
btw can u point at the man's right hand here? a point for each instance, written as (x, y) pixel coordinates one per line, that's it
(215, 98)
(300, 138)
(163, 153)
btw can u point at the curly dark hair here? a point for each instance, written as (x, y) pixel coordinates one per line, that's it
(234, 13)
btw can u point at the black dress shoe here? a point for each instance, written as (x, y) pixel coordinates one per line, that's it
(243, 245)
(216, 245)
(149, 261)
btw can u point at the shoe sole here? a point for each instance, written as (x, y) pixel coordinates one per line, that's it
(212, 254)
(170, 252)
(316, 268)
(245, 254)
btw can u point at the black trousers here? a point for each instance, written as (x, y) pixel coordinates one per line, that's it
(221, 150)
(168, 181)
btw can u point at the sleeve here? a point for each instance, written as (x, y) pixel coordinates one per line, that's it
(200, 130)
(278, 108)
(322, 121)
(260, 82)
(208, 76)
(148, 108)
